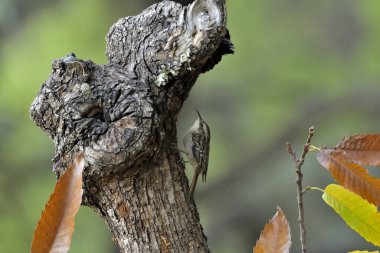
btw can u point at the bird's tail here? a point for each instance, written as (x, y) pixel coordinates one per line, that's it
(193, 184)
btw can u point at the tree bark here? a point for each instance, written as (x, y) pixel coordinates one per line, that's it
(123, 115)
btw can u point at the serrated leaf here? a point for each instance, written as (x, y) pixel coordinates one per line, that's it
(56, 225)
(275, 237)
(350, 175)
(362, 148)
(358, 213)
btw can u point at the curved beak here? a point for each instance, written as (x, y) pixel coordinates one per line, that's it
(199, 115)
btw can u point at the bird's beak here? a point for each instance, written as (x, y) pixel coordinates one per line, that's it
(199, 115)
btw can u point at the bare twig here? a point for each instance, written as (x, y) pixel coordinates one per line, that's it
(298, 164)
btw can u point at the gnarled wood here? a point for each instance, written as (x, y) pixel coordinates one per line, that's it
(123, 115)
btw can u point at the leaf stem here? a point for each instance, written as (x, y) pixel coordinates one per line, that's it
(312, 148)
(316, 188)
(298, 162)
(307, 188)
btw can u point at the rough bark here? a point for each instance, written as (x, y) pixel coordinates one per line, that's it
(123, 115)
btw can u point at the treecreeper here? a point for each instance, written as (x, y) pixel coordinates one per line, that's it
(123, 116)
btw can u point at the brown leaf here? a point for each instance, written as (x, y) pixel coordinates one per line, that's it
(350, 175)
(56, 225)
(362, 148)
(275, 237)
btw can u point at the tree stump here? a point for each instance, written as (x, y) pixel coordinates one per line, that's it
(123, 116)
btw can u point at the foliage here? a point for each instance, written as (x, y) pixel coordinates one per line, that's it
(350, 175)
(275, 237)
(56, 225)
(355, 199)
(357, 251)
(360, 215)
(356, 202)
(362, 148)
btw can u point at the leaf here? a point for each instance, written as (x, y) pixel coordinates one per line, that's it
(275, 237)
(358, 251)
(360, 215)
(350, 175)
(56, 225)
(362, 148)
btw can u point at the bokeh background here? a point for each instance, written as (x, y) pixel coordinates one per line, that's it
(297, 63)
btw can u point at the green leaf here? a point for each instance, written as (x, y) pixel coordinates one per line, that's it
(358, 213)
(358, 251)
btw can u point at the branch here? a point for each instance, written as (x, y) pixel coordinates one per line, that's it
(298, 164)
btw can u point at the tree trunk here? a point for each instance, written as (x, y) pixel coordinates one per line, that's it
(123, 115)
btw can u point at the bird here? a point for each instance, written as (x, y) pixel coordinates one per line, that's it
(196, 144)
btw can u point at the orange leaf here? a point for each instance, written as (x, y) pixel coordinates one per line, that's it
(362, 148)
(56, 225)
(275, 237)
(350, 175)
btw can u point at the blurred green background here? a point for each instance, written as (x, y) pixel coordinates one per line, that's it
(297, 63)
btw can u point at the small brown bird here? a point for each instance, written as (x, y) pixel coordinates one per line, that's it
(197, 148)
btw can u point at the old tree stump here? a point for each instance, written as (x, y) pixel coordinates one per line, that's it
(123, 115)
